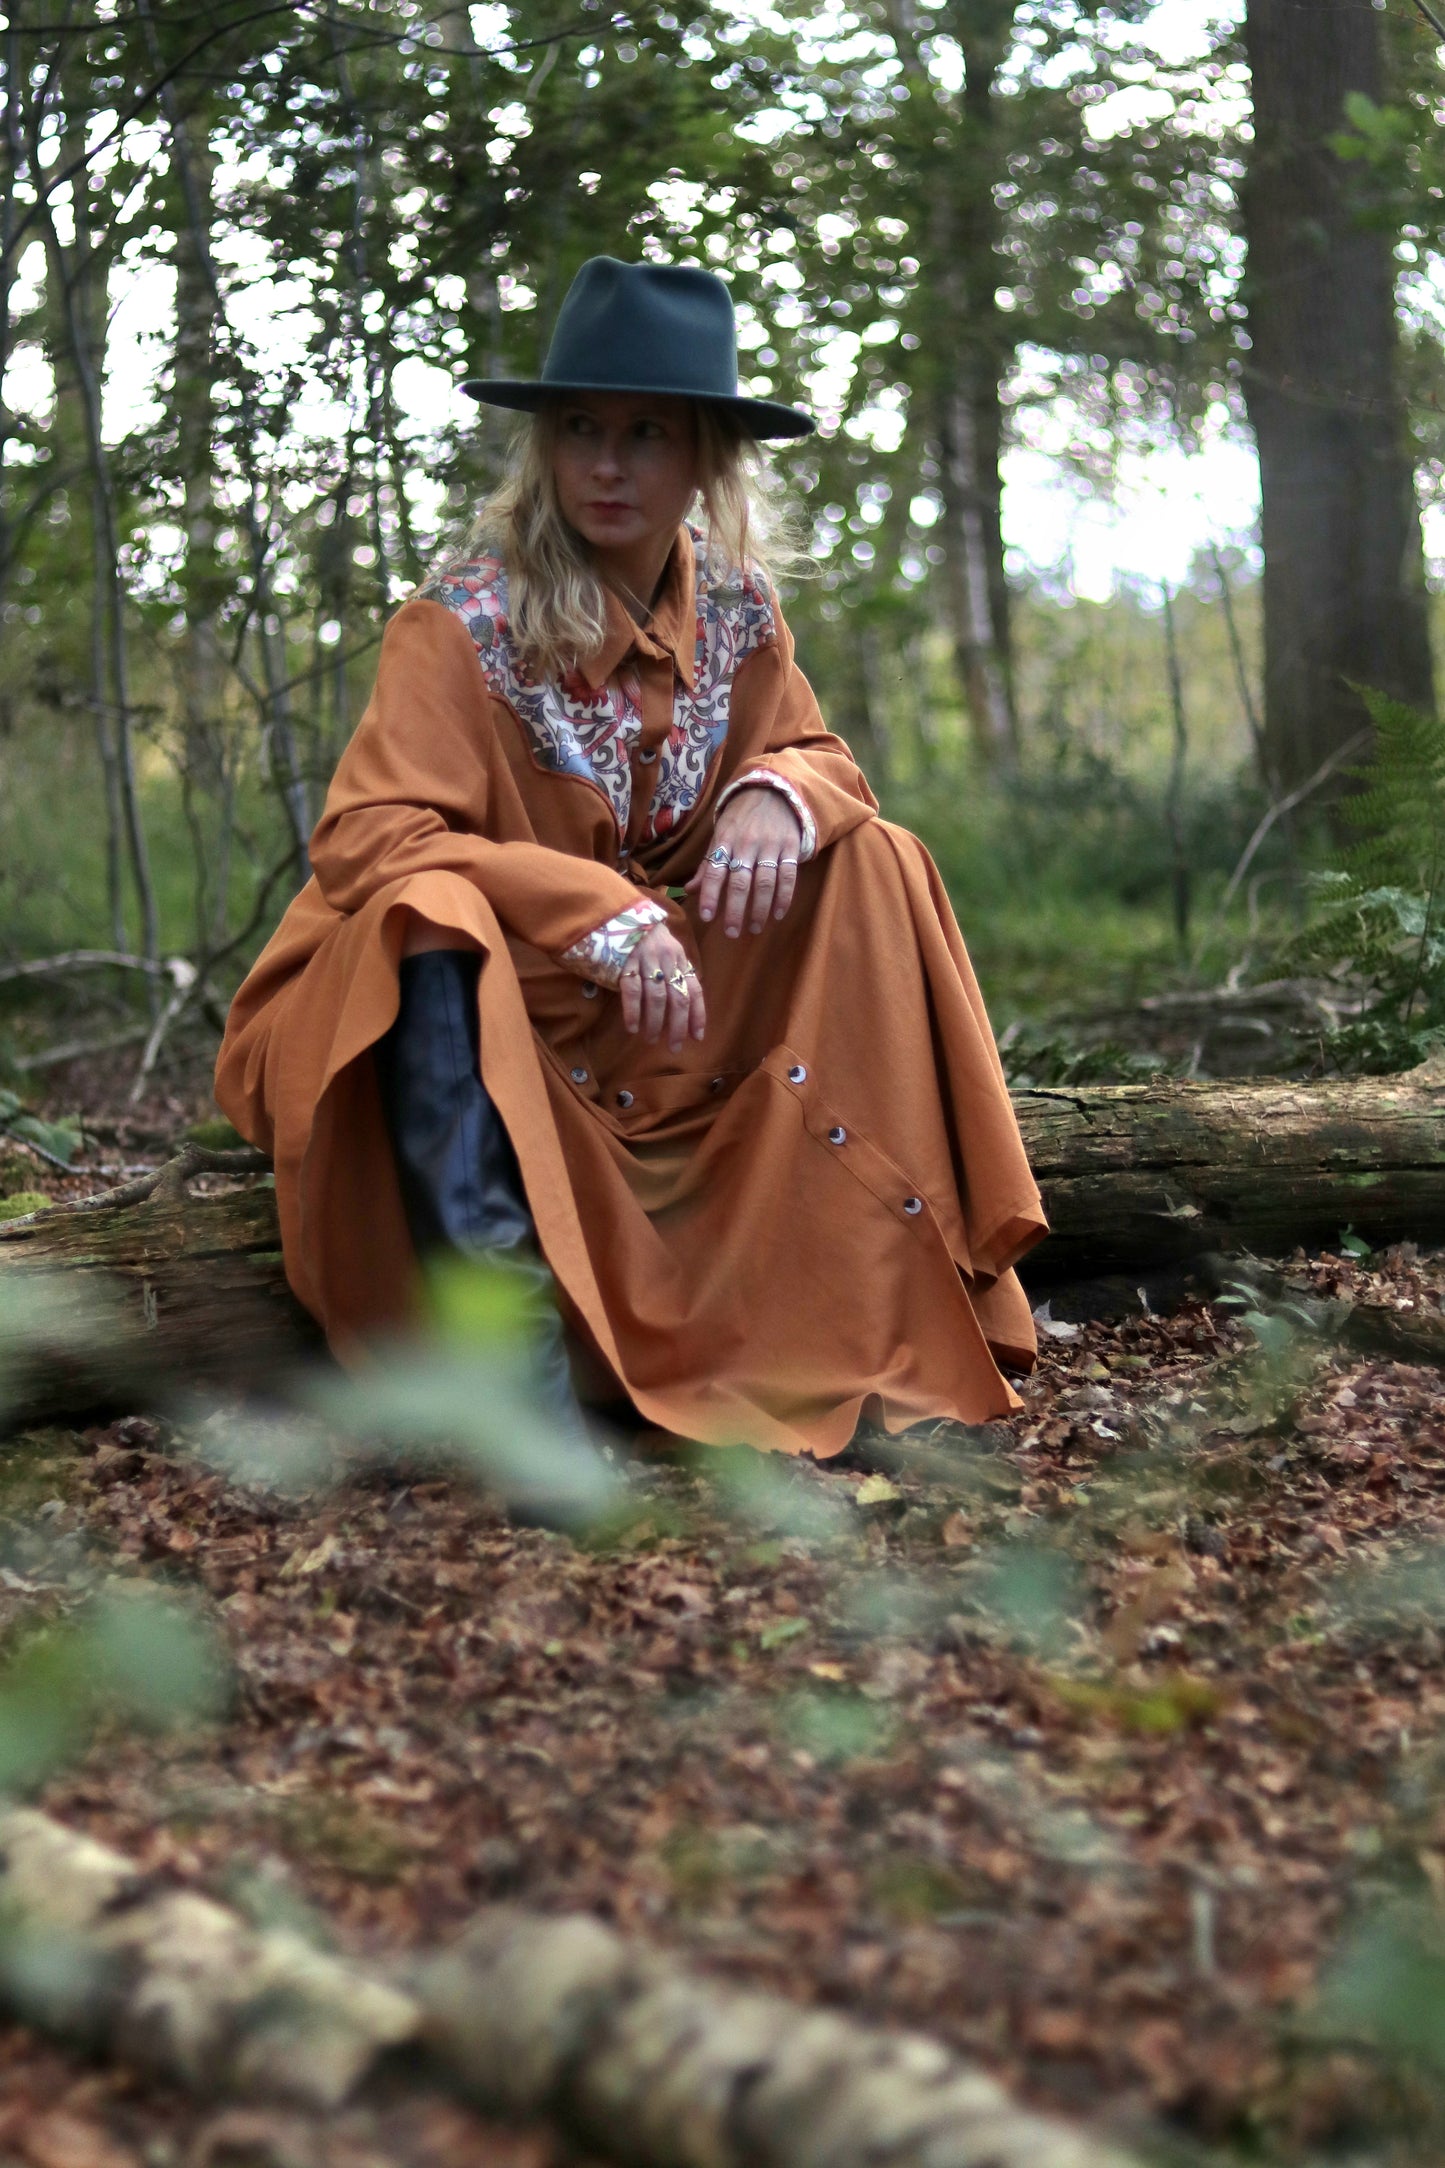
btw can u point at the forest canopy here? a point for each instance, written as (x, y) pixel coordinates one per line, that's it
(249, 252)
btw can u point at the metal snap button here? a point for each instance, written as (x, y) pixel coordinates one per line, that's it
(717, 1084)
(624, 1099)
(579, 1076)
(797, 1074)
(913, 1204)
(837, 1134)
(648, 754)
(589, 991)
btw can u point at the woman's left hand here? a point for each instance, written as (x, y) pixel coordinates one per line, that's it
(753, 860)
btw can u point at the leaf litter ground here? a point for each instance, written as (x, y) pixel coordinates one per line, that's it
(1082, 1742)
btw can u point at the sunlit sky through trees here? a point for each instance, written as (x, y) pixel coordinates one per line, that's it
(1165, 505)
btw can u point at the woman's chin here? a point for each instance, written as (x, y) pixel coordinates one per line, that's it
(606, 533)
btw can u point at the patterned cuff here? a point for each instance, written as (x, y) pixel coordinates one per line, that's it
(601, 954)
(795, 799)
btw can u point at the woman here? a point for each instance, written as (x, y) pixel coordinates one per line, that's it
(607, 958)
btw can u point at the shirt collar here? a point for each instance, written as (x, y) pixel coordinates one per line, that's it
(671, 630)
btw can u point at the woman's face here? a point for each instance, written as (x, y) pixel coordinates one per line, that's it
(625, 465)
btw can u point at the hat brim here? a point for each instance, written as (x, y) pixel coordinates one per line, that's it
(760, 417)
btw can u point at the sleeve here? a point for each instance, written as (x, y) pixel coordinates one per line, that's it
(769, 779)
(413, 794)
(801, 757)
(602, 954)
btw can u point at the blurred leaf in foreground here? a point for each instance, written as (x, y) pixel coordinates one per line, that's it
(1388, 1981)
(45, 1315)
(1030, 1594)
(469, 1395)
(133, 1656)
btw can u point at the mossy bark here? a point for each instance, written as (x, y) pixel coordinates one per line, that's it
(1137, 1177)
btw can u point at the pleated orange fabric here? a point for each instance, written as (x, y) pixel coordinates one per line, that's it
(808, 1216)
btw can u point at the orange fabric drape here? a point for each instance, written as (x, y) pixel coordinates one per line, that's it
(811, 1214)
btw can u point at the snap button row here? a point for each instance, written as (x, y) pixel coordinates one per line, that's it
(913, 1205)
(797, 1074)
(837, 1134)
(579, 1076)
(624, 1099)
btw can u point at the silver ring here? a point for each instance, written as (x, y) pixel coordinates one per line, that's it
(719, 857)
(790, 862)
(770, 863)
(740, 865)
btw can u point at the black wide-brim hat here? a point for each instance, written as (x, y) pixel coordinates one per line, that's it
(645, 328)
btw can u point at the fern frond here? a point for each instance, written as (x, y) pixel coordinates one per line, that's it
(1401, 809)
(1380, 913)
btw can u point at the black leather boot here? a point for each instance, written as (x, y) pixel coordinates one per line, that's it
(461, 1186)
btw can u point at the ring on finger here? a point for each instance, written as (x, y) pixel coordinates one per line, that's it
(740, 865)
(767, 865)
(656, 975)
(677, 980)
(720, 857)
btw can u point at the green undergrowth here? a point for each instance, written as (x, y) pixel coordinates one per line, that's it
(1064, 879)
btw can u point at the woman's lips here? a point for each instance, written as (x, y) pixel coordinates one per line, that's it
(607, 504)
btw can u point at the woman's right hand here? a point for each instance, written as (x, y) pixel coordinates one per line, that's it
(660, 987)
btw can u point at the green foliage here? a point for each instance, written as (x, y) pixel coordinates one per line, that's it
(464, 1398)
(1379, 914)
(1389, 1983)
(60, 1140)
(1037, 1059)
(133, 1656)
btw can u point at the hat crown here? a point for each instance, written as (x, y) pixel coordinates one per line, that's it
(656, 329)
(645, 327)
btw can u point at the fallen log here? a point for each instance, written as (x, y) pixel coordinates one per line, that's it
(145, 1288)
(660, 2069)
(1138, 1179)
(539, 2019)
(169, 1981)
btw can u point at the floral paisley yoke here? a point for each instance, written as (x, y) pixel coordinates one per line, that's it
(810, 1214)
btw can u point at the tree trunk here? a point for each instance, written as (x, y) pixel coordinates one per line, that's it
(1344, 596)
(75, 314)
(972, 347)
(1136, 1178)
(969, 437)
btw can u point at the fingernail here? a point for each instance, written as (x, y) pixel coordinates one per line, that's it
(733, 932)
(707, 914)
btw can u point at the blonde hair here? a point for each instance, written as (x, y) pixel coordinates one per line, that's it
(556, 601)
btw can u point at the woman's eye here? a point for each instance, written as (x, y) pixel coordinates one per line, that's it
(579, 425)
(649, 429)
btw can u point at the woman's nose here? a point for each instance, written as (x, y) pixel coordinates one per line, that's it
(607, 454)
